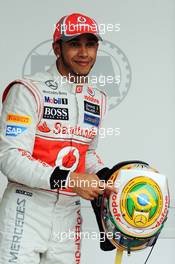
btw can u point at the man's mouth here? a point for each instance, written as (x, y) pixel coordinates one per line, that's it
(82, 63)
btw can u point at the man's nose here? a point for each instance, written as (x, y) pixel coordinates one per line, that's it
(83, 52)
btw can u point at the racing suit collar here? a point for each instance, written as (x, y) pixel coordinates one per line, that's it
(63, 81)
(69, 85)
(60, 79)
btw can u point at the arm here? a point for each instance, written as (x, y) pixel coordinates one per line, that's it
(16, 161)
(93, 161)
(95, 165)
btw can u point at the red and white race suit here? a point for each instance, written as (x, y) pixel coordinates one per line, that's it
(45, 124)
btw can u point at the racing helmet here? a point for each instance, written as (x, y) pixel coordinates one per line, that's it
(136, 214)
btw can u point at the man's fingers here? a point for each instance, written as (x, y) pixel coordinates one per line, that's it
(110, 188)
(91, 197)
(89, 194)
(86, 196)
(101, 191)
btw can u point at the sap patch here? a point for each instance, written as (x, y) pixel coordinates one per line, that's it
(14, 131)
(91, 120)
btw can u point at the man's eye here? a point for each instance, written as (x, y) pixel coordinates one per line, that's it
(91, 44)
(74, 44)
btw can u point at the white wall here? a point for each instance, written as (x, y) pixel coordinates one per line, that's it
(145, 117)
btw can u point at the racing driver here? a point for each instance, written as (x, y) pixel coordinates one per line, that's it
(47, 150)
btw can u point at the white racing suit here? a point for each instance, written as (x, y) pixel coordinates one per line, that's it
(45, 125)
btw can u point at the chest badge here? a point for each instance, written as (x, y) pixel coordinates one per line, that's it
(91, 91)
(79, 88)
(68, 158)
(51, 84)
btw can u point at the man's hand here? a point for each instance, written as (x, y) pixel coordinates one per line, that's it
(89, 186)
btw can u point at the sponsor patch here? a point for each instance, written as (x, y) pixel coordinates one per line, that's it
(77, 202)
(91, 99)
(54, 100)
(51, 84)
(43, 127)
(17, 230)
(54, 92)
(77, 130)
(92, 108)
(91, 91)
(56, 113)
(92, 120)
(24, 192)
(19, 119)
(79, 88)
(29, 157)
(14, 131)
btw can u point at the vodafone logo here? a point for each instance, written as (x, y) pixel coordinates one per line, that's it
(114, 205)
(91, 99)
(79, 88)
(81, 19)
(68, 158)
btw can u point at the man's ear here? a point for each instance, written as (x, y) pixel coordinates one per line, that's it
(56, 48)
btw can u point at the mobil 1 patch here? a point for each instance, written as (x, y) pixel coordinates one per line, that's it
(91, 108)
